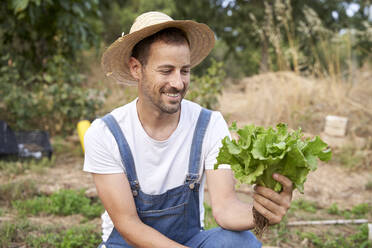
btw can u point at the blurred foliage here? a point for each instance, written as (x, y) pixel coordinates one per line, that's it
(270, 30)
(74, 237)
(205, 89)
(23, 233)
(119, 15)
(209, 221)
(64, 202)
(43, 78)
(41, 86)
(12, 168)
(332, 240)
(18, 190)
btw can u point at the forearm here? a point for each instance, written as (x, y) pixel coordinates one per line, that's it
(234, 215)
(142, 235)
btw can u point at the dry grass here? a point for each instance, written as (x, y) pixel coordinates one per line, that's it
(270, 98)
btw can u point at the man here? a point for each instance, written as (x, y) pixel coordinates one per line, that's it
(150, 158)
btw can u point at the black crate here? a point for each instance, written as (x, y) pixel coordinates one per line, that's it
(8, 141)
(34, 144)
(24, 144)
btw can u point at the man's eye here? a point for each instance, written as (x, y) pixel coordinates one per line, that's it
(185, 71)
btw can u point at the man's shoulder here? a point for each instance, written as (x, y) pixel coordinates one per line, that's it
(99, 128)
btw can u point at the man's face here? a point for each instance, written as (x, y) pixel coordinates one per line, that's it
(166, 76)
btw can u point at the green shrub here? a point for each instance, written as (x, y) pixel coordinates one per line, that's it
(41, 85)
(54, 101)
(63, 202)
(14, 232)
(361, 210)
(22, 233)
(206, 89)
(302, 204)
(79, 236)
(333, 209)
(67, 202)
(357, 211)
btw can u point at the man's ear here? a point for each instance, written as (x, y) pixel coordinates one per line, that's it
(135, 68)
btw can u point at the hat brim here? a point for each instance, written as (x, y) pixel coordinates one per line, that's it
(115, 60)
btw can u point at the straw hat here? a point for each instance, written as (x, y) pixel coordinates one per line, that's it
(115, 60)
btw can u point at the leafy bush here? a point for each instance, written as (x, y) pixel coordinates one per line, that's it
(305, 205)
(333, 209)
(22, 232)
(79, 236)
(63, 202)
(205, 89)
(357, 211)
(55, 100)
(361, 210)
(41, 86)
(13, 232)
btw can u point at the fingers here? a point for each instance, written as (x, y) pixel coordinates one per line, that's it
(271, 204)
(274, 211)
(286, 182)
(279, 199)
(272, 217)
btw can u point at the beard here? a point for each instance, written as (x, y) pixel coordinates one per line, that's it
(155, 96)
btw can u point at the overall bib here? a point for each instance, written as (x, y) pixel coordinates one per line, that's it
(174, 213)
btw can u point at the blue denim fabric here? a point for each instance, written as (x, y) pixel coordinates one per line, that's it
(222, 238)
(175, 213)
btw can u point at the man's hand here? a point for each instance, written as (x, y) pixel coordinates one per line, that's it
(271, 204)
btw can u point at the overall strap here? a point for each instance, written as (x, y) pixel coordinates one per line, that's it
(125, 153)
(197, 142)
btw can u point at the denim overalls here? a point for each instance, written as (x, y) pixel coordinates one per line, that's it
(174, 213)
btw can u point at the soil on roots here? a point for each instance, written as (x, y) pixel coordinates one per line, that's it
(261, 223)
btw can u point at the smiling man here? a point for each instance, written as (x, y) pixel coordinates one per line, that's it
(151, 158)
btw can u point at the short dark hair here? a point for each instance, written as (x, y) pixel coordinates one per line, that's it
(169, 36)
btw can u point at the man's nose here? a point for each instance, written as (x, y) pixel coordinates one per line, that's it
(177, 81)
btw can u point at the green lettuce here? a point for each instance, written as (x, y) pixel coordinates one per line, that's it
(260, 152)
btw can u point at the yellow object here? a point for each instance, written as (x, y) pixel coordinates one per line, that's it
(82, 127)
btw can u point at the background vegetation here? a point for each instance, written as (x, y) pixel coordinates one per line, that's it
(43, 80)
(274, 61)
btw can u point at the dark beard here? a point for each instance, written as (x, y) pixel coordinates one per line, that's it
(148, 93)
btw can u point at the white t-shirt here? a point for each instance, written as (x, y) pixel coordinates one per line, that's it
(160, 165)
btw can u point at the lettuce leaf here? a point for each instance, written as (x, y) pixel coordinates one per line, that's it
(260, 152)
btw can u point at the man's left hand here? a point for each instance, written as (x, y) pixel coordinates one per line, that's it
(271, 204)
